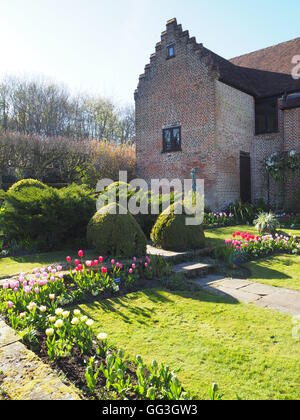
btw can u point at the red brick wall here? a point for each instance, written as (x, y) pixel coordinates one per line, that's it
(292, 142)
(217, 123)
(235, 128)
(179, 91)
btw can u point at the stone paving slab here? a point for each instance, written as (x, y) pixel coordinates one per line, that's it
(260, 289)
(26, 377)
(279, 299)
(7, 335)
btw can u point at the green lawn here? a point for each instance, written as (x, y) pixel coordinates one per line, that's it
(247, 350)
(14, 265)
(278, 271)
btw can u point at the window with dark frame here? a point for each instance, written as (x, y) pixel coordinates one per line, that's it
(172, 139)
(266, 116)
(171, 51)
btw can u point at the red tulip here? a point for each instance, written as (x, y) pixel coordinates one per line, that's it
(76, 262)
(96, 262)
(101, 260)
(80, 253)
(68, 259)
(104, 270)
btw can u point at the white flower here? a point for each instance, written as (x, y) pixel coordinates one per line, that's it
(66, 314)
(23, 315)
(292, 153)
(59, 324)
(77, 312)
(59, 311)
(84, 318)
(89, 322)
(102, 337)
(51, 297)
(43, 309)
(31, 306)
(75, 321)
(50, 332)
(52, 319)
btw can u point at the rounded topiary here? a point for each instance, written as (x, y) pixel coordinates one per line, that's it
(116, 234)
(170, 232)
(25, 183)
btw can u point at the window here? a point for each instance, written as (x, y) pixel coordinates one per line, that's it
(172, 139)
(266, 116)
(171, 51)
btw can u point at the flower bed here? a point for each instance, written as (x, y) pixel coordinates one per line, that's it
(38, 306)
(214, 220)
(243, 246)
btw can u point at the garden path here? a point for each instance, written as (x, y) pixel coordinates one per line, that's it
(270, 297)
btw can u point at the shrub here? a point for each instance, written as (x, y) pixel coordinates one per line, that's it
(116, 234)
(266, 223)
(46, 218)
(2, 197)
(121, 191)
(25, 183)
(171, 232)
(243, 212)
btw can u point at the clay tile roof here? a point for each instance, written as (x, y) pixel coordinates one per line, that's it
(265, 72)
(277, 59)
(258, 83)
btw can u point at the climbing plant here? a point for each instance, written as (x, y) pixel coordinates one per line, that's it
(281, 166)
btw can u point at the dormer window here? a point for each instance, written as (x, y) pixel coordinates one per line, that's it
(171, 51)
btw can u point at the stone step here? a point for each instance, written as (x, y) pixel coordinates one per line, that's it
(193, 269)
(178, 257)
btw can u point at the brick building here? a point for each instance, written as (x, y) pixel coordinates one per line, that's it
(195, 109)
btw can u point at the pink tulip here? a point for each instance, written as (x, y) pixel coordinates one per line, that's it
(131, 271)
(96, 263)
(76, 262)
(133, 266)
(101, 260)
(113, 262)
(5, 286)
(36, 290)
(10, 304)
(80, 253)
(68, 259)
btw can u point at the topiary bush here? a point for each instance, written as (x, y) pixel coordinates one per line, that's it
(120, 190)
(46, 218)
(170, 232)
(116, 234)
(2, 197)
(24, 183)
